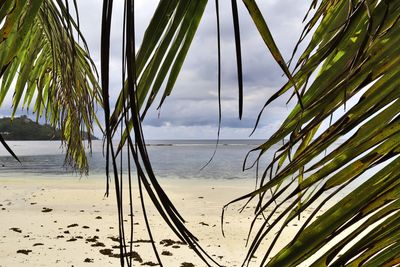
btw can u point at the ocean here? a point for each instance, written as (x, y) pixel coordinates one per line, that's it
(182, 159)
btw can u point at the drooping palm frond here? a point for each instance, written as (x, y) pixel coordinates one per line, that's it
(187, 15)
(157, 63)
(44, 68)
(354, 56)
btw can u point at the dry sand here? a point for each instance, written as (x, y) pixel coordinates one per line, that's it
(53, 221)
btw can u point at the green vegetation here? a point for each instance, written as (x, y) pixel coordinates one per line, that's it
(23, 128)
(352, 56)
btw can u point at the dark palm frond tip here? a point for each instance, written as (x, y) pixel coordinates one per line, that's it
(7, 147)
(129, 103)
(218, 84)
(53, 74)
(235, 17)
(356, 46)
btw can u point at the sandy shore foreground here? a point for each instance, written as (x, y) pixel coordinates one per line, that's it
(67, 221)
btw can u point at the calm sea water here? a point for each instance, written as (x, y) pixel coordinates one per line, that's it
(177, 159)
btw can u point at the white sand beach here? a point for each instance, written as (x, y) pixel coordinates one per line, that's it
(67, 221)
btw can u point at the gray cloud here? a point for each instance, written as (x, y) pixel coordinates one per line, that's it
(192, 109)
(193, 104)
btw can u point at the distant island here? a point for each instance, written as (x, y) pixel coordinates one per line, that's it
(23, 128)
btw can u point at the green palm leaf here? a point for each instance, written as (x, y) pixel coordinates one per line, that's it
(356, 45)
(47, 70)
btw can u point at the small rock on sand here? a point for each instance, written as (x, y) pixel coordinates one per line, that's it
(150, 263)
(46, 209)
(166, 253)
(24, 251)
(15, 229)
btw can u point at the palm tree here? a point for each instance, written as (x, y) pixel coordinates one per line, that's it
(352, 57)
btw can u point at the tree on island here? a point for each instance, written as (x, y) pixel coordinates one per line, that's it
(352, 56)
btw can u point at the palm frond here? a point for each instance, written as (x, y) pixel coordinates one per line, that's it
(354, 51)
(47, 70)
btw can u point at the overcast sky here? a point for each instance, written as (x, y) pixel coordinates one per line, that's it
(192, 109)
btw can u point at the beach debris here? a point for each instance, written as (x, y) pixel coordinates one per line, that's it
(92, 239)
(106, 251)
(203, 223)
(66, 232)
(170, 242)
(98, 218)
(134, 255)
(187, 264)
(24, 251)
(60, 236)
(15, 229)
(72, 239)
(98, 244)
(166, 253)
(88, 260)
(44, 209)
(72, 225)
(150, 263)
